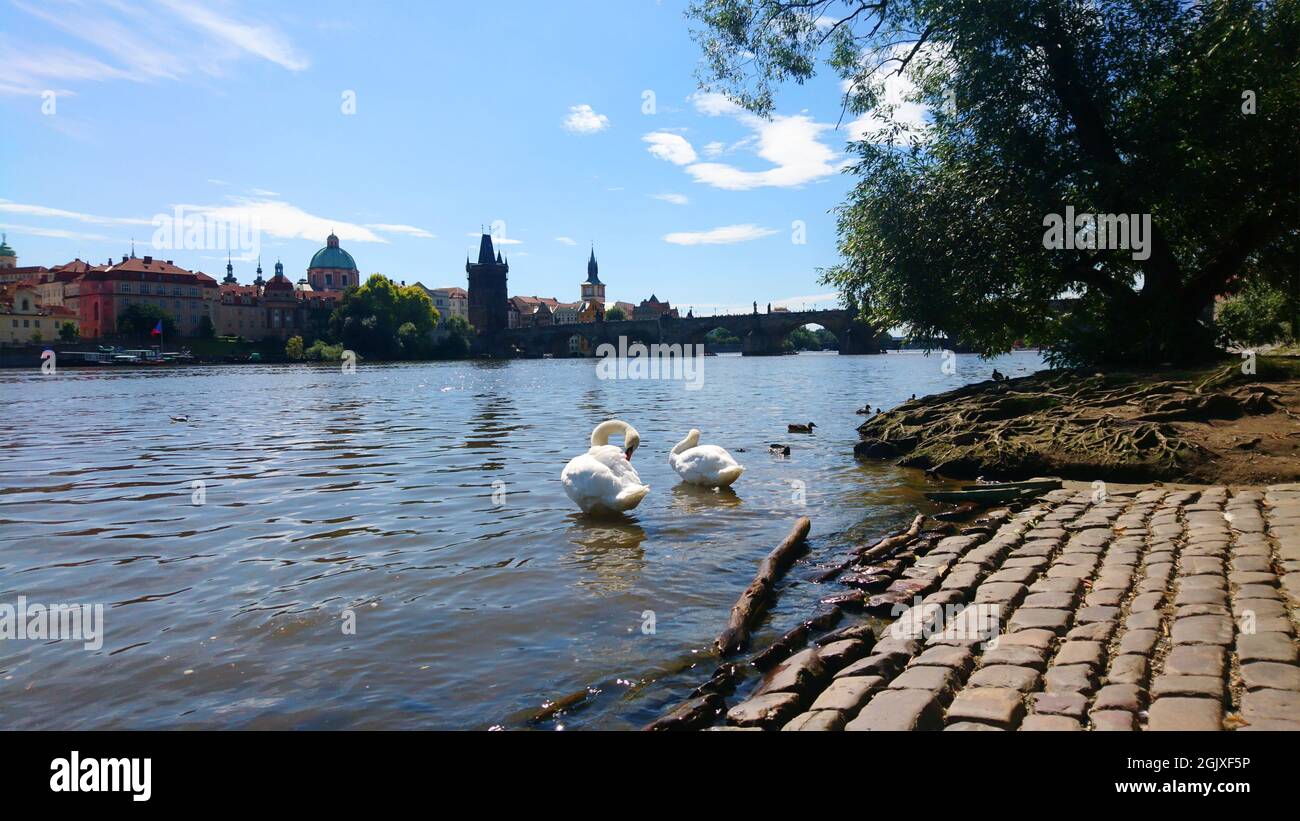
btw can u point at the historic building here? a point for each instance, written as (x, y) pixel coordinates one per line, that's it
(332, 268)
(450, 302)
(100, 295)
(8, 257)
(279, 308)
(23, 319)
(652, 308)
(532, 311)
(489, 302)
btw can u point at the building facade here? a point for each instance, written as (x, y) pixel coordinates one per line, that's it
(450, 302)
(104, 292)
(24, 320)
(652, 308)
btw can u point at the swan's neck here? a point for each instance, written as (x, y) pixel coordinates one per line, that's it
(600, 436)
(692, 439)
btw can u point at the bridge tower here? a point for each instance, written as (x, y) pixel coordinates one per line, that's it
(488, 297)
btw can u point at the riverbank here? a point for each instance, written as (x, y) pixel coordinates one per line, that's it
(1200, 426)
(1134, 609)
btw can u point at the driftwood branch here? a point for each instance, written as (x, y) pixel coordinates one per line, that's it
(888, 544)
(751, 602)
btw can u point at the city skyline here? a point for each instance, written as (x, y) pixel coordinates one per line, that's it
(569, 128)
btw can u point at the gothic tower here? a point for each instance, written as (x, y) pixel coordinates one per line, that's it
(487, 295)
(593, 290)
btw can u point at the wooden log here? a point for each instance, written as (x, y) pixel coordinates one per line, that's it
(695, 714)
(888, 545)
(750, 604)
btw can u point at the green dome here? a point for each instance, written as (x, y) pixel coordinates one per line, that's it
(332, 256)
(6, 251)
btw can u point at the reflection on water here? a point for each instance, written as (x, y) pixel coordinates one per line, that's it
(423, 504)
(606, 554)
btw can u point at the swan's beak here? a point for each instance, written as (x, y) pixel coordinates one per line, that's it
(628, 454)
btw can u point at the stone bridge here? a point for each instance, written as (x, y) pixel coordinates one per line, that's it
(761, 333)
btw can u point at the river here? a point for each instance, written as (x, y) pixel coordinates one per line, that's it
(391, 548)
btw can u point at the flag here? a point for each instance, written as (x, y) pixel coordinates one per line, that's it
(157, 329)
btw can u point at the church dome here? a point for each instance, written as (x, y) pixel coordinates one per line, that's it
(332, 256)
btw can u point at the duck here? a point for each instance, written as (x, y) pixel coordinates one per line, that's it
(779, 449)
(181, 418)
(864, 410)
(602, 481)
(703, 465)
(796, 428)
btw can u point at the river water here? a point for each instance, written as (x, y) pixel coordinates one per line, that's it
(392, 548)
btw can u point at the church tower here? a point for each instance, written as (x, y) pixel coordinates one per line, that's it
(230, 273)
(593, 290)
(487, 295)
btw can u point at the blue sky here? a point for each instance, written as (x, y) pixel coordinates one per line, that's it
(528, 114)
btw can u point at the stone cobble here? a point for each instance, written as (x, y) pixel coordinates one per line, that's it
(1143, 610)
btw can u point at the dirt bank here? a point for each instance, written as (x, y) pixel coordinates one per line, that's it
(1209, 426)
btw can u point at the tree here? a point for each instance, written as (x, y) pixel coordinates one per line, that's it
(206, 329)
(456, 343)
(1256, 316)
(68, 332)
(615, 314)
(140, 319)
(370, 318)
(294, 348)
(1183, 112)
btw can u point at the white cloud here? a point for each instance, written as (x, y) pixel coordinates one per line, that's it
(671, 147)
(9, 207)
(280, 219)
(391, 228)
(789, 142)
(56, 233)
(583, 119)
(714, 149)
(675, 199)
(725, 235)
(259, 40)
(145, 42)
(565, 241)
(898, 88)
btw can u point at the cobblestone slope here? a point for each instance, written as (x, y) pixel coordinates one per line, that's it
(1147, 610)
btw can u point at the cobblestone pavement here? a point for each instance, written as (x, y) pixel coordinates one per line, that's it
(1146, 610)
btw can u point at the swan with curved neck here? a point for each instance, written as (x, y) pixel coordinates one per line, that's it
(602, 480)
(703, 465)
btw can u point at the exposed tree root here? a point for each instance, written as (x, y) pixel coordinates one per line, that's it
(1064, 423)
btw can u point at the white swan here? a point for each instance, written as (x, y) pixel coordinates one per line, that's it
(602, 480)
(704, 465)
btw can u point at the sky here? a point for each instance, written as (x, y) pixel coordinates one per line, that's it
(406, 128)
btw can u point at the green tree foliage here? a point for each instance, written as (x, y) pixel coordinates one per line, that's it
(1257, 316)
(294, 348)
(206, 329)
(140, 319)
(322, 351)
(455, 345)
(68, 332)
(721, 336)
(384, 320)
(616, 314)
(1187, 112)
